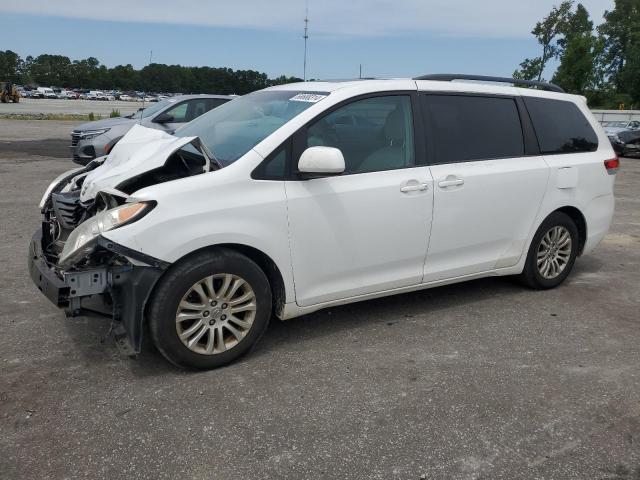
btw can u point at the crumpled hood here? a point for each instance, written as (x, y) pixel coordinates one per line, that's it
(105, 123)
(614, 130)
(140, 150)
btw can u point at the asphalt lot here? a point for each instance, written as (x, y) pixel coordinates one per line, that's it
(62, 106)
(477, 380)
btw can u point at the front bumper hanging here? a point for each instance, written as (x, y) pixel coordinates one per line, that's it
(122, 291)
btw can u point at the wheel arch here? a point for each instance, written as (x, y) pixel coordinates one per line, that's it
(264, 261)
(581, 223)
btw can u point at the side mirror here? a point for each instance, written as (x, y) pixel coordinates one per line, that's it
(321, 161)
(163, 118)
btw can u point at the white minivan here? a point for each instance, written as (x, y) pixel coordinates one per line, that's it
(305, 196)
(46, 92)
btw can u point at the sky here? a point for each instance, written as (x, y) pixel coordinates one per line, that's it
(389, 38)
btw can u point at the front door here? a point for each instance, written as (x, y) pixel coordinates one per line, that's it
(366, 230)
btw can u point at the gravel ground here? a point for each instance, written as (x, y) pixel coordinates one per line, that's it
(477, 380)
(83, 107)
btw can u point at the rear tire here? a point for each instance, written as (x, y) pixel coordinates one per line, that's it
(210, 309)
(552, 253)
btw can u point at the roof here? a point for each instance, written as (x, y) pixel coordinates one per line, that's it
(490, 85)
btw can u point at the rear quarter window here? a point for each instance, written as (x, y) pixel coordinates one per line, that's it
(465, 128)
(560, 126)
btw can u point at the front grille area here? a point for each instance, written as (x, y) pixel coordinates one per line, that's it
(67, 208)
(75, 138)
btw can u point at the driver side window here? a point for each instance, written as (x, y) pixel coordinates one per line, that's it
(373, 134)
(179, 113)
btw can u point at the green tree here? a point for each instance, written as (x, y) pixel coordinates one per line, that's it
(283, 79)
(621, 58)
(547, 32)
(10, 63)
(123, 77)
(84, 72)
(577, 51)
(51, 70)
(58, 70)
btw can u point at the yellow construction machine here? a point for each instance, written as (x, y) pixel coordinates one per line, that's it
(9, 93)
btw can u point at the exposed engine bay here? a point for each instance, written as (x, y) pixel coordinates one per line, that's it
(69, 259)
(138, 161)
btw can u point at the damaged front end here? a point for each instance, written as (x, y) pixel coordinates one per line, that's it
(70, 260)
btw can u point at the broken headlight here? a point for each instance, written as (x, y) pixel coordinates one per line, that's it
(81, 241)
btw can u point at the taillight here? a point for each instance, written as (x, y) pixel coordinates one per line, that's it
(612, 165)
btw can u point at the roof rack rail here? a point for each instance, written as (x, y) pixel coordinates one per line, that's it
(448, 77)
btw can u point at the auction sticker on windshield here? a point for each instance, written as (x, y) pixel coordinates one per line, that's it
(307, 97)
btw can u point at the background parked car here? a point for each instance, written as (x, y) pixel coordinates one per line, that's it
(626, 143)
(94, 139)
(613, 127)
(67, 95)
(99, 95)
(46, 92)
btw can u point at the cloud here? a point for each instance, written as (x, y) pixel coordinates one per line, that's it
(471, 18)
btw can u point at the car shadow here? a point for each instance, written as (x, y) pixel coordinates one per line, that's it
(391, 310)
(94, 343)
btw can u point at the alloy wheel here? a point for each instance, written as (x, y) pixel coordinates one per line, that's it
(216, 313)
(554, 252)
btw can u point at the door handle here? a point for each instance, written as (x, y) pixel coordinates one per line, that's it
(451, 182)
(414, 187)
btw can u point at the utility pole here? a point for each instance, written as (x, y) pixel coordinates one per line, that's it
(306, 37)
(145, 93)
(360, 72)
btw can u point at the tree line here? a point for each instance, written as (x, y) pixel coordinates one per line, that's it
(60, 71)
(600, 63)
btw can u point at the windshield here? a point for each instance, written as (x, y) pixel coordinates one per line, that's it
(614, 124)
(234, 128)
(155, 108)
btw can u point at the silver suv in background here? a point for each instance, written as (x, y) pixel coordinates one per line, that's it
(616, 126)
(95, 139)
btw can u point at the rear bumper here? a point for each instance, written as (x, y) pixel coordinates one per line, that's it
(119, 293)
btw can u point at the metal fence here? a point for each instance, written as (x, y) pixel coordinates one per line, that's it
(616, 115)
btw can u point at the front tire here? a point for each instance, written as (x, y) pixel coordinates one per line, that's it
(210, 309)
(552, 253)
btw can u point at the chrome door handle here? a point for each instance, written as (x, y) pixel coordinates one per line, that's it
(414, 187)
(451, 183)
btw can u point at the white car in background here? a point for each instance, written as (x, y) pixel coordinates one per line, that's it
(66, 95)
(46, 92)
(305, 196)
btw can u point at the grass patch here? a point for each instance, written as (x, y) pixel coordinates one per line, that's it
(50, 116)
(115, 113)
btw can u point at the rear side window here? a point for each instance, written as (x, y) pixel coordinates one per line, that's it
(560, 126)
(464, 128)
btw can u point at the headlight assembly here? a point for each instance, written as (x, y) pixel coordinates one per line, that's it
(82, 240)
(87, 134)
